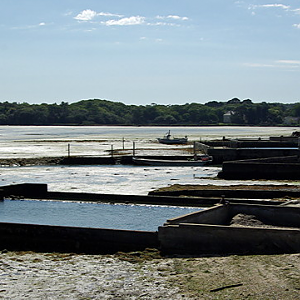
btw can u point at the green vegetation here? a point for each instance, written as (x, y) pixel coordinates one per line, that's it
(103, 112)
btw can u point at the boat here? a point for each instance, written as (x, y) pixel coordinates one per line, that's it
(200, 161)
(168, 139)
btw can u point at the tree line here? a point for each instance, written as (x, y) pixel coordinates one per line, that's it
(104, 112)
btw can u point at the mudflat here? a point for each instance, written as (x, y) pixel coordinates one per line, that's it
(144, 275)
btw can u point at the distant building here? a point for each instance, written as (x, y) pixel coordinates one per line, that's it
(227, 117)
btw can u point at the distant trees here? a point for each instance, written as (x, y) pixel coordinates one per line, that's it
(104, 112)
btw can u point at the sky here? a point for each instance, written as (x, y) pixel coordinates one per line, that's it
(142, 52)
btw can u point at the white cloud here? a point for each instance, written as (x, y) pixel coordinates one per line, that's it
(289, 62)
(287, 8)
(134, 20)
(86, 15)
(26, 27)
(284, 63)
(297, 25)
(297, 11)
(120, 20)
(174, 17)
(275, 5)
(258, 65)
(162, 24)
(177, 18)
(104, 14)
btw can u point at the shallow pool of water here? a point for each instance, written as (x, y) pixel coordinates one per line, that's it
(93, 215)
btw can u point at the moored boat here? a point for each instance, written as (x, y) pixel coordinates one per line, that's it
(200, 161)
(168, 139)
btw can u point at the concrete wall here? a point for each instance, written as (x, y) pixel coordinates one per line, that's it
(252, 143)
(280, 159)
(193, 239)
(217, 215)
(290, 139)
(207, 232)
(43, 238)
(222, 155)
(39, 191)
(260, 169)
(134, 199)
(222, 214)
(25, 189)
(236, 193)
(204, 232)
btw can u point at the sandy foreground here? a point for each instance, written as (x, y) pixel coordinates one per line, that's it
(28, 275)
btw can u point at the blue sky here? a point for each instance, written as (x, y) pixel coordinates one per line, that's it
(143, 52)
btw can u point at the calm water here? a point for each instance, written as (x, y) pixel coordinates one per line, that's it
(117, 216)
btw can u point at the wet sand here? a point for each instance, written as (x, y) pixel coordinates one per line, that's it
(38, 276)
(70, 276)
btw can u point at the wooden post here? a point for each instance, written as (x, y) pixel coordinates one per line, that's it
(123, 143)
(69, 150)
(133, 148)
(112, 150)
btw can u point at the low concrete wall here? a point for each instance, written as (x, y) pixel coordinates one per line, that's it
(289, 139)
(231, 154)
(201, 198)
(233, 193)
(217, 215)
(39, 191)
(26, 237)
(261, 169)
(222, 214)
(280, 159)
(25, 190)
(204, 232)
(133, 199)
(207, 232)
(195, 239)
(252, 143)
